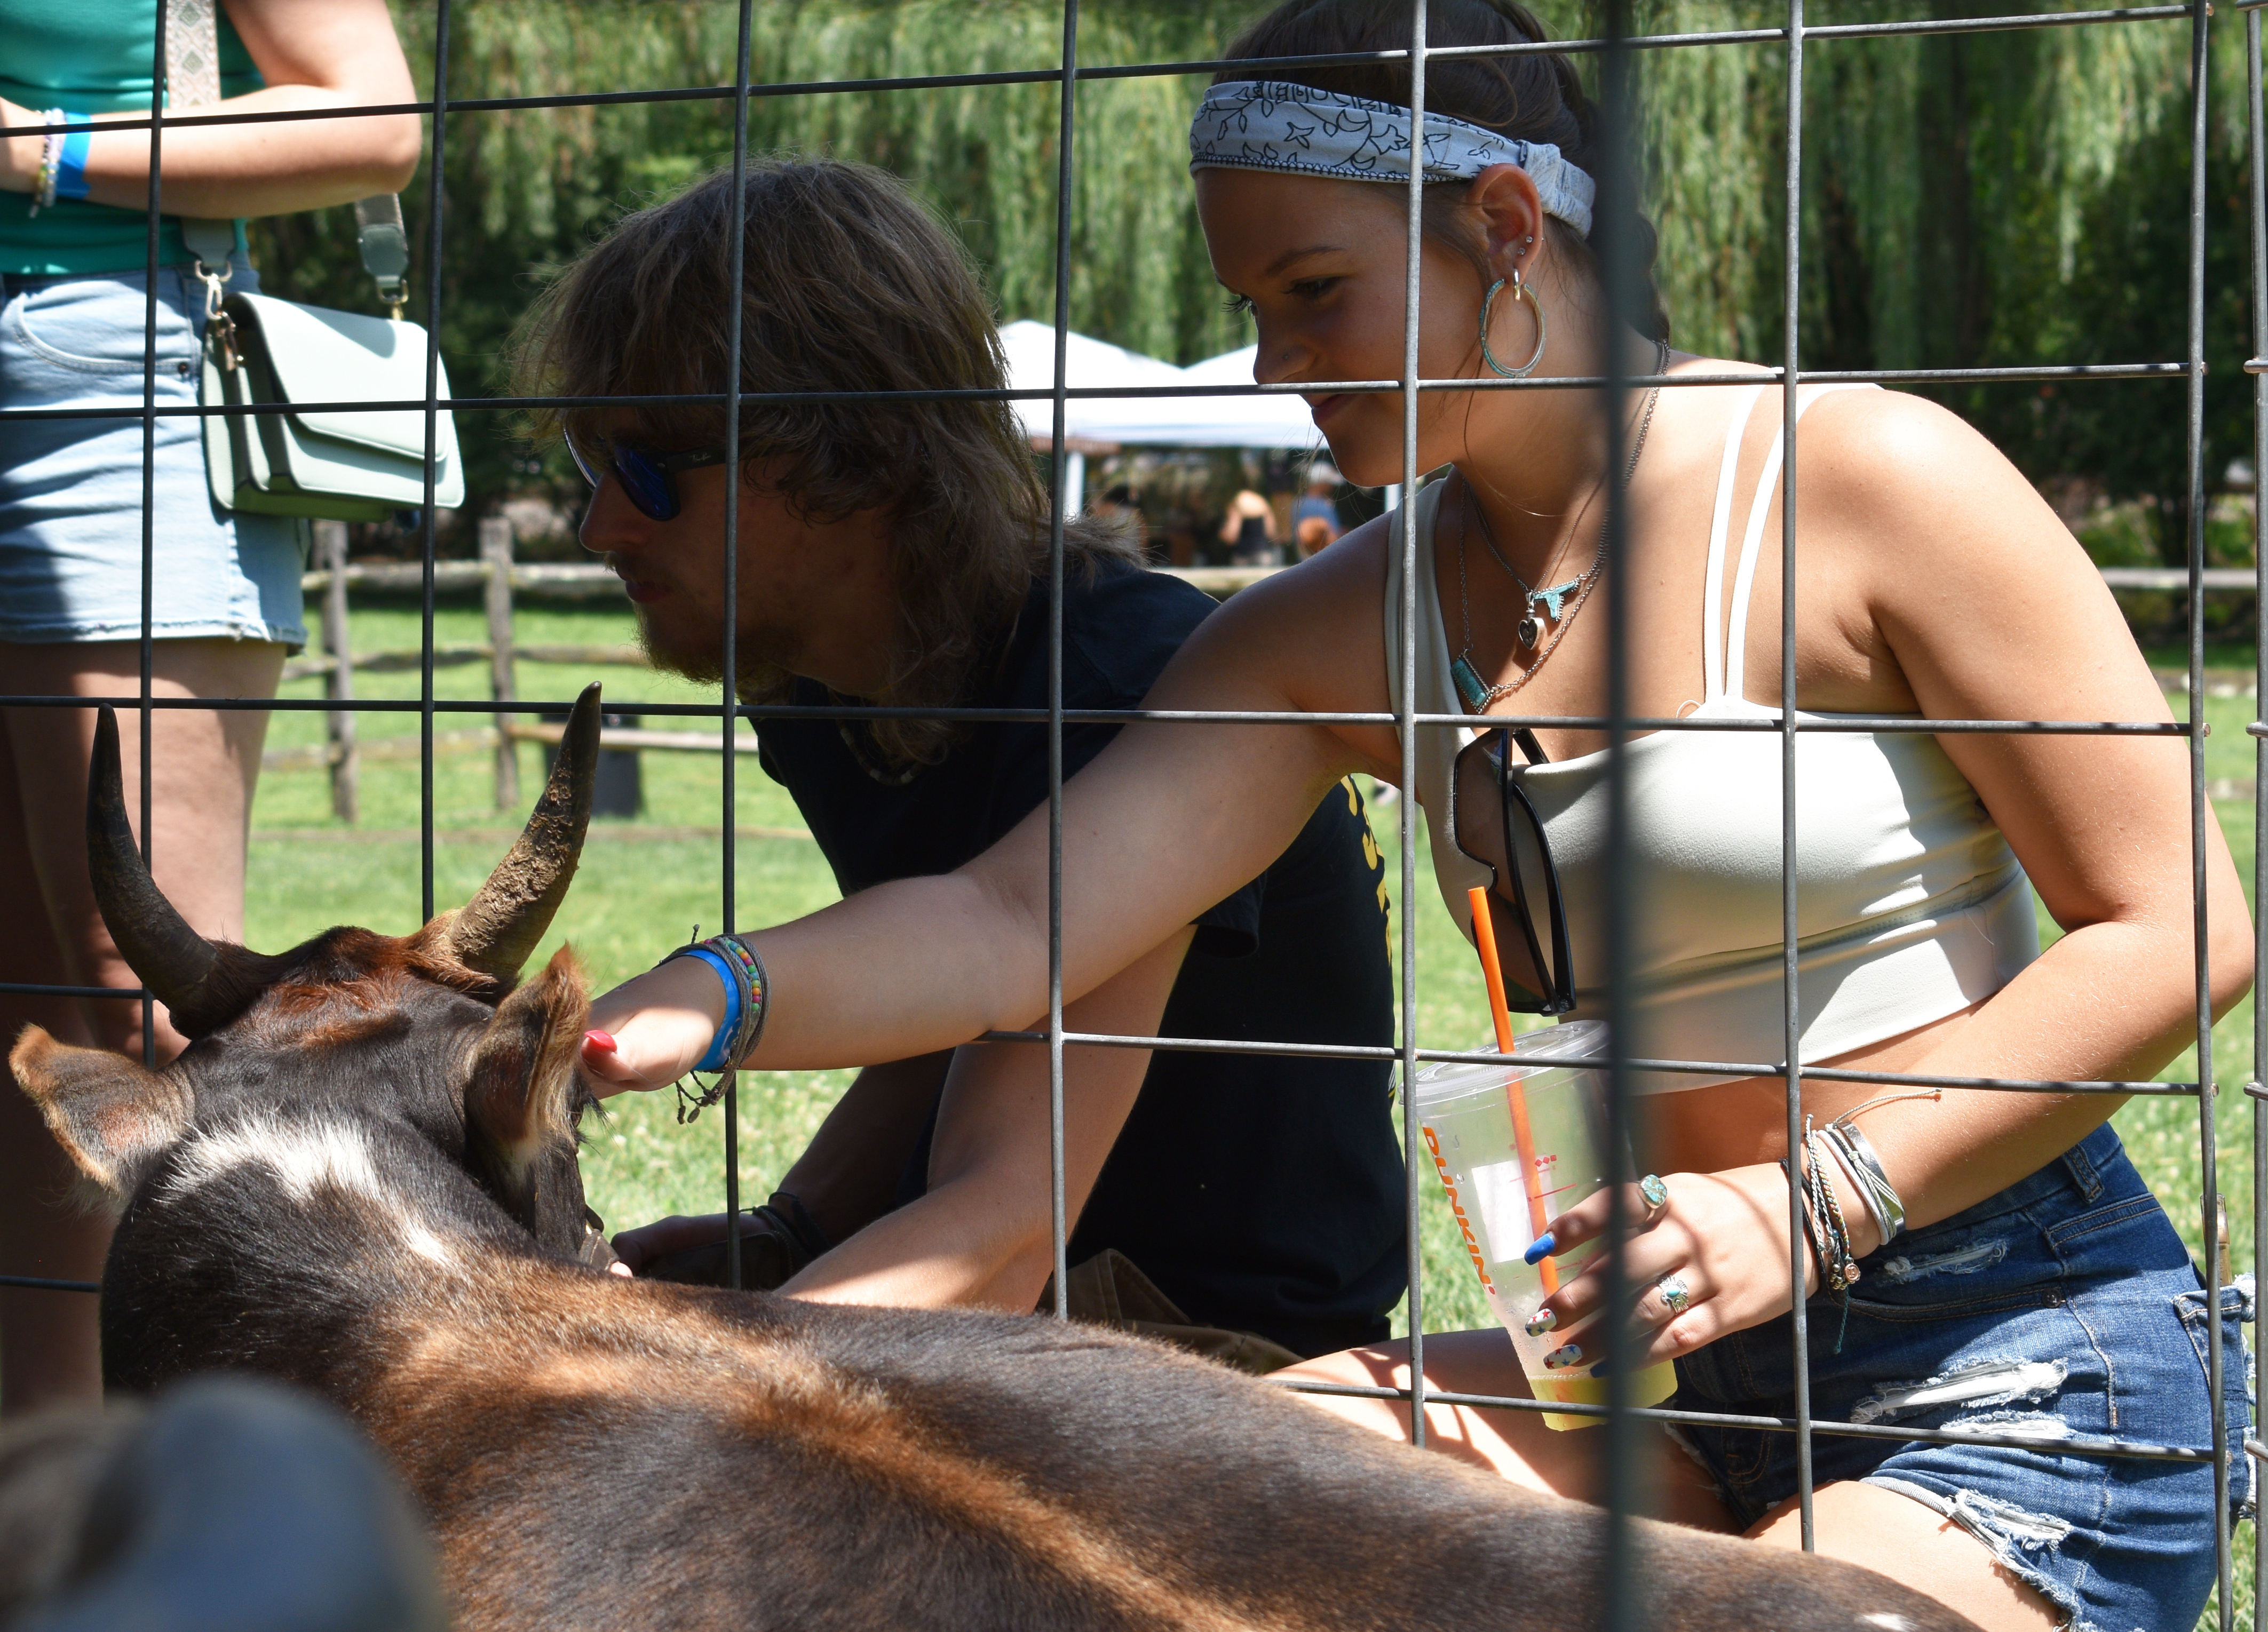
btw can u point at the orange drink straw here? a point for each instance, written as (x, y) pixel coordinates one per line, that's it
(1523, 1137)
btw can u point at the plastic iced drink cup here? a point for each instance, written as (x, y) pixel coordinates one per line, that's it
(1465, 1114)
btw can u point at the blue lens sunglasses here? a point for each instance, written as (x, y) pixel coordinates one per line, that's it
(649, 479)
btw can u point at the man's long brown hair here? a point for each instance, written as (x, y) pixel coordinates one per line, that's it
(849, 283)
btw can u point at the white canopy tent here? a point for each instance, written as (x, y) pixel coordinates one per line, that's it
(1223, 421)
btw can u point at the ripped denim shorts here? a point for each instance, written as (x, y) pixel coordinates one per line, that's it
(2064, 1306)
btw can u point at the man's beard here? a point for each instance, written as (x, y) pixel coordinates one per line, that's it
(763, 653)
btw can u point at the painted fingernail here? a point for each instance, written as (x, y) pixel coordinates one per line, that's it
(1566, 1355)
(1540, 1248)
(1599, 1369)
(602, 1041)
(1541, 1321)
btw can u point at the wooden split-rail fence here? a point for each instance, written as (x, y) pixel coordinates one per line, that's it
(502, 580)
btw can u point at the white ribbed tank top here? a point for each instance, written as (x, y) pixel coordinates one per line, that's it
(1910, 905)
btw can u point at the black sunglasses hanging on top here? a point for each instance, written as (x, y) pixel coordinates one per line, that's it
(1495, 826)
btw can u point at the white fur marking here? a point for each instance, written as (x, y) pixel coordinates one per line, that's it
(427, 1244)
(304, 1157)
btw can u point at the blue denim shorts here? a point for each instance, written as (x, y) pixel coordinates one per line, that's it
(70, 489)
(2064, 1306)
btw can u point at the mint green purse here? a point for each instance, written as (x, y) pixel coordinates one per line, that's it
(343, 466)
(346, 465)
(350, 465)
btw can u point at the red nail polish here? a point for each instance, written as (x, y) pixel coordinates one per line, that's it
(600, 1041)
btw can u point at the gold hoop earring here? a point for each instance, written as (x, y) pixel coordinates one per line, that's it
(1519, 292)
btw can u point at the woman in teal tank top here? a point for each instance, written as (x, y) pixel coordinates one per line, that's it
(74, 293)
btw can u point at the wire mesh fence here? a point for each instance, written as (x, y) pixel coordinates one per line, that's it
(1615, 51)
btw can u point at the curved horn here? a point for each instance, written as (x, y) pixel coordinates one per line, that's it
(499, 927)
(171, 959)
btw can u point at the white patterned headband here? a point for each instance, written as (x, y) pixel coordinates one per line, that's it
(1265, 124)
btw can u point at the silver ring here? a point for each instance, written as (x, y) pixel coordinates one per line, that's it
(1676, 1296)
(1655, 1192)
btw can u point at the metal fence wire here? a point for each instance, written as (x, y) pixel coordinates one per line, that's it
(1614, 47)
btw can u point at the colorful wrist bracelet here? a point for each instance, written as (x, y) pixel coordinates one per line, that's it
(51, 152)
(754, 988)
(743, 973)
(70, 164)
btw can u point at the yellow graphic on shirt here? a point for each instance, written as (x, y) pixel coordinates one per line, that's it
(1373, 858)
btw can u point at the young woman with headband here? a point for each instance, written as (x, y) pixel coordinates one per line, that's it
(2004, 1267)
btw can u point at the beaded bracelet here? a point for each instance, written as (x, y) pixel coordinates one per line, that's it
(51, 153)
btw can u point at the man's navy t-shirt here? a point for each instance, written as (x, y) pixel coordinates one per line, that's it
(1260, 1194)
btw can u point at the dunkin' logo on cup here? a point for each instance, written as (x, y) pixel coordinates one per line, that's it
(1457, 1208)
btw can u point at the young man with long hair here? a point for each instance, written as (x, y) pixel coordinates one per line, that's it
(894, 552)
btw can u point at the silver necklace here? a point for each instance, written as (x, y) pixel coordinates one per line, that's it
(1542, 605)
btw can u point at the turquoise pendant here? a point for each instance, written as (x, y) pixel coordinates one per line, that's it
(1470, 684)
(1547, 600)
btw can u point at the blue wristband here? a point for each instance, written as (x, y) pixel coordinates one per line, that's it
(720, 1046)
(71, 165)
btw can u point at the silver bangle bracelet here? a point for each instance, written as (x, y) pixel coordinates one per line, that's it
(1859, 1187)
(1867, 1172)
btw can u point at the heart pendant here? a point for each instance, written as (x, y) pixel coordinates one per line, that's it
(1529, 632)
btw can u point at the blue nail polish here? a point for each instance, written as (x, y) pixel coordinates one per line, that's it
(1599, 1370)
(1540, 1248)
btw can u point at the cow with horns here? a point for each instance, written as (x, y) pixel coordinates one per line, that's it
(361, 1177)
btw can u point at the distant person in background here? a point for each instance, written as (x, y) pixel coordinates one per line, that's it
(1315, 516)
(1249, 531)
(74, 284)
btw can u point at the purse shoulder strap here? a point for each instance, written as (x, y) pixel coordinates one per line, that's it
(385, 244)
(192, 80)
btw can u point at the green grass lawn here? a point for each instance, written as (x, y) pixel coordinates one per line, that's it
(637, 896)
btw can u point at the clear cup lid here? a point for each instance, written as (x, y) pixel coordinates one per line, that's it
(1576, 1043)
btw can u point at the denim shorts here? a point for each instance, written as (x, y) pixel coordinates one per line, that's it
(2064, 1306)
(70, 489)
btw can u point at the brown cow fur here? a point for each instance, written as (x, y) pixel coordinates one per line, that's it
(365, 1183)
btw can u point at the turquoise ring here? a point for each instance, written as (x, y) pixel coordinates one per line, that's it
(1676, 1296)
(1656, 1193)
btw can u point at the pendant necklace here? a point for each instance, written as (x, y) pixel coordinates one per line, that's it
(1544, 605)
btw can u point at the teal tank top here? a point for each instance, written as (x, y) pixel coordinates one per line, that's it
(92, 56)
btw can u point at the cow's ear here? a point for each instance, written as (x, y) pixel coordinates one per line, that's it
(115, 1118)
(519, 1104)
